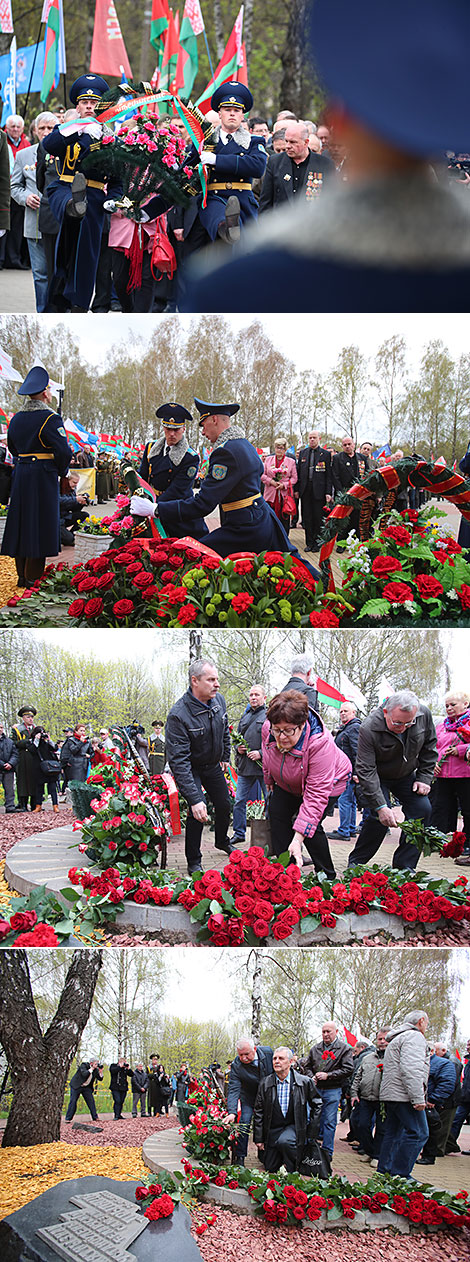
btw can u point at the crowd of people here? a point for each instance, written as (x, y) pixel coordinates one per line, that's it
(402, 1095)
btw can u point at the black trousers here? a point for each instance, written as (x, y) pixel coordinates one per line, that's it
(282, 808)
(448, 796)
(312, 518)
(415, 806)
(87, 1093)
(138, 299)
(119, 1096)
(213, 781)
(281, 1149)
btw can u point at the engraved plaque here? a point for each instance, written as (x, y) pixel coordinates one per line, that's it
(99, 1230)
(81, 1245)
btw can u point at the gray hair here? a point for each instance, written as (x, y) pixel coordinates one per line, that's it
(404, 700)
(14, 118)
(301, 665)
(245, 1040)
(45, 117)
(287, 1050)
(413, 1018)
(198, 667)
(458, 695)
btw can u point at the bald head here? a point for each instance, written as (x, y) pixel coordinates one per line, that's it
(329, 1031)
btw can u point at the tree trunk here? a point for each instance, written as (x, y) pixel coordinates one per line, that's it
(218, 30)
(256, 996)
(39, 1063)
(293, 59)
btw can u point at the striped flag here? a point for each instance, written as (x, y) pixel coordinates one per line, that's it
(54, 58)
(169, 62)
(329, 695)
(232, 65)
(192, 25)
(159, 23)
(6, 17)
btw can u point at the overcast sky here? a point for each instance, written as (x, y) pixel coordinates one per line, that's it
(311, 341)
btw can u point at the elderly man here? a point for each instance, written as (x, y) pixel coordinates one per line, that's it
(251, 1065)
(365, 1093)
(82, 1083)
(250, 783)
(396, 753)
(139, 1084)
(38, 442)
(330, 1064)
(314, 486)
(25, 193)
(348, 466)
(170, 465)
(347, 739)
(197, 742)
(298, 173)
(14, 247)
(301, 679)
(441, 1098)
(286, 1114)
(403, 1090)
(8, 761)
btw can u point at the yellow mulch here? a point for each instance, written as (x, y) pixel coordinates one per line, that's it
(8, 580)
(27, 1172)
(7, 895)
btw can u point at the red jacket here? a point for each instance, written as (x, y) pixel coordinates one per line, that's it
(315, 772)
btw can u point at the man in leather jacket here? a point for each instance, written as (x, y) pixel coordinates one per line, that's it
(281, 1123)
(329, 1064)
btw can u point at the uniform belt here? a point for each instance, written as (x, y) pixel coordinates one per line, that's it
(228, 508)
(67, 179)
(36, 455)
(234, 184)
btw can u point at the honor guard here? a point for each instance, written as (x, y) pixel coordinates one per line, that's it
(238, 159)
(38, 443)
(76, 202)
(233, 484)
(170, 465)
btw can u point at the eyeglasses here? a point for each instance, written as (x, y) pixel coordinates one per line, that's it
(404, 725)
(285, 731)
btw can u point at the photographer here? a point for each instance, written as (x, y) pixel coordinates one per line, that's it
(46, 767)
(120, 1071)
(72, 509)
(75, 755)
(82, 1083)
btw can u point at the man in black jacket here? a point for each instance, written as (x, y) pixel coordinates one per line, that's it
(302, 674)
(197, 742)
(396, 753)
(462, 1114)
(281, 1125)
(248, 761)
(251, 1065)
(346, 739)
(297, 174)
(348, 467)
(89, 1072)
(8, 761)
(119, 1073)
(314, 486)
(330, 1065)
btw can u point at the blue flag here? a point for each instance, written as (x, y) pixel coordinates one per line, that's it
(24, 66)
(386, 450)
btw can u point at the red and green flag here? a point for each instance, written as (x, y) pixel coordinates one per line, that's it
(232, 65)
(192, 25)
(54, 54)
(329, 695)
(350, 1038)
(159, 23)
(169, 62)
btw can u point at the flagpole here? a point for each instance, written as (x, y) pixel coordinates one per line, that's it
(208, 54)
(32, 70)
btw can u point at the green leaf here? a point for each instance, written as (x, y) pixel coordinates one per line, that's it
(375, 608)
(200, 909)
(309, 923)
(70, 894)
(334, 1213)
(215, 907)
(64, 927)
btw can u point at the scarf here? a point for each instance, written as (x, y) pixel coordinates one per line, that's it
(462, 719)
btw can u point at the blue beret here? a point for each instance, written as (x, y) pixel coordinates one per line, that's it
(89, 87)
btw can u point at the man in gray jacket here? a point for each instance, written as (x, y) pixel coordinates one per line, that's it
(139, 1084)
(197, 742)
(365, 1091)
(403, 1089)
(25, 192)
(396, 754)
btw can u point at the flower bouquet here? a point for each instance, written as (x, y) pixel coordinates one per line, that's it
(119, 832)
(209, 1136)
(158, 1200)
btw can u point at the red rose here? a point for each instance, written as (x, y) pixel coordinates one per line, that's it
(93, 607)
(398, 534)
(87, 584)
(385, 565)
(104, 582)
(23, 920)
(261, 928)
(143, 846)
(464, 596)
(75, 610)
(281, 930)
(397, 593)
(323, 618)
(140, 896)
(242, 602)
(122, 609)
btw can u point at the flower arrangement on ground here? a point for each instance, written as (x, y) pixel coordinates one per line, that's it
(158, 1200)
(208, 1135)
(37, 919)
(124, 827)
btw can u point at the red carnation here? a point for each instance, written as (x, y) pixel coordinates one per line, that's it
(464, 596)
(122, 609)
(242, 602)
(428, 586)
(323, 618)
(385, 565)
(398, 534)
(243, 566)
(187, 614)
(397, 593)
(273, 558)
(40, 936)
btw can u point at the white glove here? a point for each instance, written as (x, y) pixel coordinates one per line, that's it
(141, 507)
(208, 159)
(95, 130)
(2, 232)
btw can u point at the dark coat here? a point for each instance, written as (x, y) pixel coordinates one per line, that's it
(464, 1093)
(78, 241)
(139, 1080)
(26, 778)
(47, 170)
(182, 1084)
(32, 527)
(346, 470)
(4, 183)
(234, 164)
(320, 484)
(338, 1070)
(249, 727)
(464, 528)
(197, 737)
(443, 1082)
(118, 1077)
(303, 1092)
(82, 1073)
(347, 739)
(244, 1080)
(278, 184)
(294, 684)
(381, 755)
(44, 750)
(75, 755)
(173, 482)
(8, 753)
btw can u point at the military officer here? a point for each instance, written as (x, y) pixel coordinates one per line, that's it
(26, 775)
(38, 442)
(77, 203)
(233, 484)
(170, 465)
(157, 749)
(315, 487)
(237, 160)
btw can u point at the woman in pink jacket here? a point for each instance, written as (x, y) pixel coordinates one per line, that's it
(451, 788)
(280, 476)
(303, 770)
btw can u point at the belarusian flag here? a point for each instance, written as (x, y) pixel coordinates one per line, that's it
(51, 16)
(170, 57)
(350, 1038)
(191, 26)
(328, 695)
(232, 65)
(159, 25)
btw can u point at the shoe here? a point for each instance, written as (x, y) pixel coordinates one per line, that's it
(308, 549)
(37, 808)
(463, 861)
(77, 206)
(67, 1120)
(55, 809)
(229, 229)
(237, 841)
(365, 1157)
(10, 810)
(191, 870)
(226, 846)
(338, 836)
(425, 1161)
(374, 1162)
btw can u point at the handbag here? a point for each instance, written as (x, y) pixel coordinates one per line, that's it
(315, 1162)
(50, 768)
(163, 260)
(289, 506)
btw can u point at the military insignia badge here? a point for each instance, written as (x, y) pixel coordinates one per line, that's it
(191, 472)
(219, 471)
(287, 177)
(61, 431)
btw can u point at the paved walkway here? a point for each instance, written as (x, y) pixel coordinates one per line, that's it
(16, 291)
(451, 1173)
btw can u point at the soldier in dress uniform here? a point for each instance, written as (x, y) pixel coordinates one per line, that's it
(38, 442)
(77, 203)
(233, 484)
(170, 465)
(314, 486)
(237, 160)
(26, 774)
(157, 749)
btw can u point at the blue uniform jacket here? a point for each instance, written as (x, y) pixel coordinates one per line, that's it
(170, 480)
(442, 1080)
(235, 164)
(78, 241)
(32, 527)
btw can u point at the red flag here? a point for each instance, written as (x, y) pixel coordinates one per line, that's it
(232, 65)
(457, 1053)
(350, 1038)
(108, 50)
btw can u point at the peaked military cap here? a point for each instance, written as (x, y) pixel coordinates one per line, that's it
(214, 409)
(232, 94)
(89, 87)
(35, 382)
(173, 415)
(26, 709)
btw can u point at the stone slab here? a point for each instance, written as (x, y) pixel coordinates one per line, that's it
(168, 1240)
(84, 1126)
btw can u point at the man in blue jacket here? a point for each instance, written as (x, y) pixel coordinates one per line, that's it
(443, 1084)
(250, 1066)
(238, 159)
(8, 761)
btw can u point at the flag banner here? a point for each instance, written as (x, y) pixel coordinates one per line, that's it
(159, 23)
(385, 689)
(228, 67)
(350, 1038)
(386, 450)
(328, 695)
(9, 86)
(7, 371)
(192, 25)
(352, 692)
(61, 57)
(6, 17)
(30, 62)
(169, 62)
(108, 50)
(51, 55)
(87, 482)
